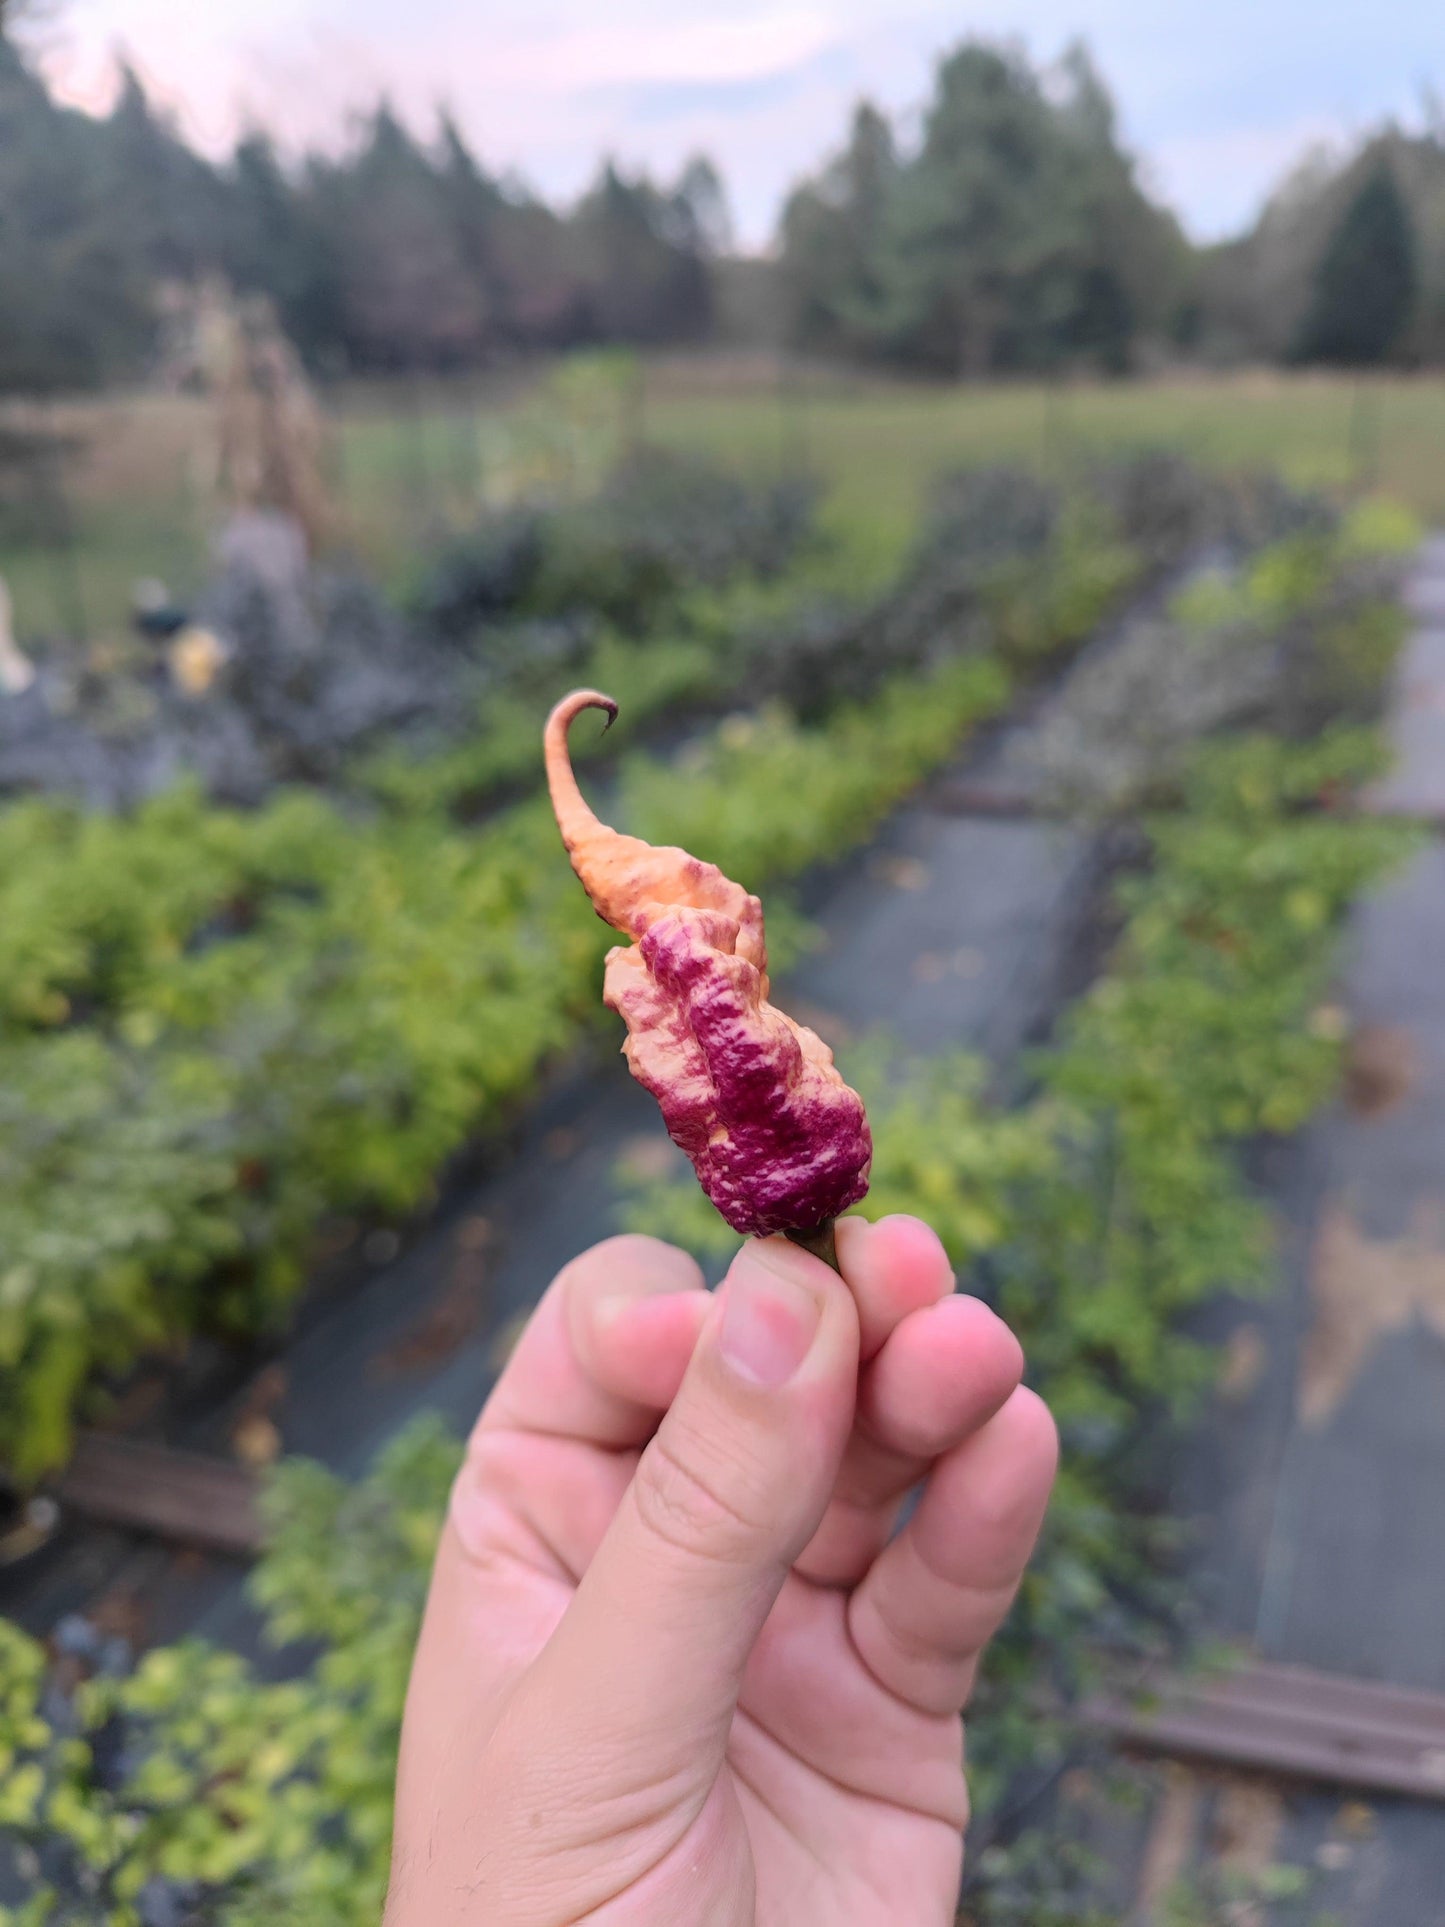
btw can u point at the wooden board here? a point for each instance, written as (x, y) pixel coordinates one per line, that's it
(1288, 1720)
(185, 1496)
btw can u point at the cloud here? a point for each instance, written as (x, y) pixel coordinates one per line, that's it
(651, 103)
(1225, 177)
(726, 51)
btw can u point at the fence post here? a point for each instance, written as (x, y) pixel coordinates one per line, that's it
(1055, 426)
(1366, 414)
(792, 420)
(634, 409)
(70, 606)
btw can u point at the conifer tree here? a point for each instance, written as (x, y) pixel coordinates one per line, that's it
(1366, 283)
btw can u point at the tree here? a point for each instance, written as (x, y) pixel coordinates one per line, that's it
(408, 297)
(973, 216)
(1129, 267)
(639, 256)
(75, 304)
(702, 202)
(478, 211)
(276, 245)
(1015, 237)
(168, 204)
(1366, 283)
(833, 229)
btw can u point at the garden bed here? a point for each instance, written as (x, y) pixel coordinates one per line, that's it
(1067, 1210)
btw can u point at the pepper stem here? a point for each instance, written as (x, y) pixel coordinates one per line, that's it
(820, 1240)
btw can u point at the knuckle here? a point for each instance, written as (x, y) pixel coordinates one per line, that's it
(630, 1265)
(683, 1504)
(913, 1644)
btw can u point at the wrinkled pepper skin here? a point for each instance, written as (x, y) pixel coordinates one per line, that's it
(778, 1140)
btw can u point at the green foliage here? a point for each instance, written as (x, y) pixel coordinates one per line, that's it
(1366, 283)
(661, 524)
(501, 752)
(305, 1011)
(1283, 580)
(393, 256)
(216, 1028)
(1380, 527)
(199, 1787)
(244, 1799)
(648, 588)
(1035, 1882)
(1046, 609)
(1015, 237)
(762, 798)
(1219, 1897)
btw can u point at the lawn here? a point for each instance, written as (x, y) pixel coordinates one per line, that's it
(877, 444)
(409, 462)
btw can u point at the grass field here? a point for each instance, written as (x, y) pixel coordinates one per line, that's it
(409, 464)
(878, 445)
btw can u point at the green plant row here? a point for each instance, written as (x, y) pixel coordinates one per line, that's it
(220, 1030)
(234, 1799)
(1095, 1216)
(661, 673)
(242, 1799)
(713, 642)
(700, 651)
(217, 1028)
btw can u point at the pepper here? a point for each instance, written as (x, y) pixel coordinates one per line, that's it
(778, 1140)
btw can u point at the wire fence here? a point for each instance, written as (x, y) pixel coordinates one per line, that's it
(98, 497)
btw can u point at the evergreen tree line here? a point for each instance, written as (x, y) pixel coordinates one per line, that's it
(1016, 235)
(1012, 234)
(1345, 266)
(399, 256)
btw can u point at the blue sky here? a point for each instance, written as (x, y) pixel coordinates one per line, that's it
(1216, 100)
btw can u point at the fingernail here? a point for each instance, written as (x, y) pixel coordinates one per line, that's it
(770, 1318)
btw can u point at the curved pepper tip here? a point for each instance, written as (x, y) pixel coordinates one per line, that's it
(571, 706)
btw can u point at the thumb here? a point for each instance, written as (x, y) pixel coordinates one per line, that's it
(649, 1657)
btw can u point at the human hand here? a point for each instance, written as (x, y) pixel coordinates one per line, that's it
(676, 1665)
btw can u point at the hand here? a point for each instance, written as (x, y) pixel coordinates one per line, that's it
(677, 1667)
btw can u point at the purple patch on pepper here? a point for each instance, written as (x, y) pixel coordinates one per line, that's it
(778, 1140)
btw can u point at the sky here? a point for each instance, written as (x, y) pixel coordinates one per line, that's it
(1216, 100)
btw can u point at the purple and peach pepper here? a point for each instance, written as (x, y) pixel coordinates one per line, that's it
(778, 1140)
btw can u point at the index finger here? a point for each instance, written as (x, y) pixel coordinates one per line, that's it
(605, 1350)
